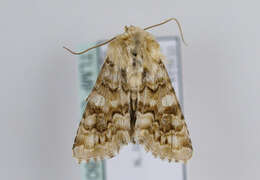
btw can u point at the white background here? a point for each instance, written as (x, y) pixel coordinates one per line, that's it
(39, 100)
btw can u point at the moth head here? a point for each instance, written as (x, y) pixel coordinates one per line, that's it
(135, 34)
(135, 39)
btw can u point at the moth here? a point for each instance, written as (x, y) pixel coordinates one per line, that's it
(133, 100)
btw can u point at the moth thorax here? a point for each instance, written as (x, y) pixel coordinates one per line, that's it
(135, 70)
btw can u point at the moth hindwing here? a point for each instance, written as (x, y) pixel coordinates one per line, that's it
(133, 101)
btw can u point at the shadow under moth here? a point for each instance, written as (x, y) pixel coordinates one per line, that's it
(133, 100)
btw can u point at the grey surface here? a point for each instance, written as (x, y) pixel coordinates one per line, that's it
(39, 105)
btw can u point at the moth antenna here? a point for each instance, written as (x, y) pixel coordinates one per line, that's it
(171, 19)
(82, 52)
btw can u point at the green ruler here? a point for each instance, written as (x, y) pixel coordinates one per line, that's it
(87, 75)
